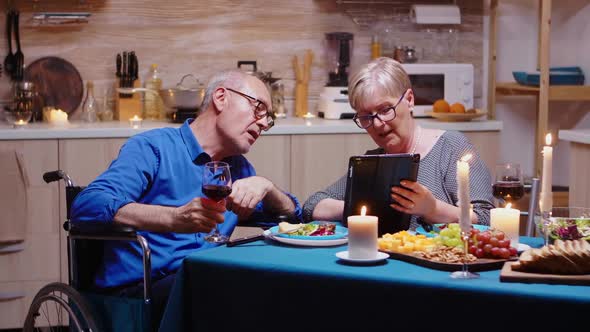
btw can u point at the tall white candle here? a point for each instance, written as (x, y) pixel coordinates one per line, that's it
(463, 193)
(362, 236)
(506, 220)
(546, 199)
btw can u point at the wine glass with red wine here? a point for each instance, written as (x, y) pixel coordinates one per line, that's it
(216, 186)
(509, 185)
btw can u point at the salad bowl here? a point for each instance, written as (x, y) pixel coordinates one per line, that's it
(564, 223)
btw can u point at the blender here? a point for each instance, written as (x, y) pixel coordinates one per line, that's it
(333, 103)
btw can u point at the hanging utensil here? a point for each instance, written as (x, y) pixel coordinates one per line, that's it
(9, 61)
(19, 56)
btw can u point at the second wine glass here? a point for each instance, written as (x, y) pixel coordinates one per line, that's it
(216, 186)
(509, 184)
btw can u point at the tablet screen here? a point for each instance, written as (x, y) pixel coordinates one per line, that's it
(369, 182)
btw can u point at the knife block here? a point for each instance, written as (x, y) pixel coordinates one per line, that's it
(127, 108)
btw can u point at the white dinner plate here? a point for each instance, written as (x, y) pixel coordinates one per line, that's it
(343, 255)
(308, 243)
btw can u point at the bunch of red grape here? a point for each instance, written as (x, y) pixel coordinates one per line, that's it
(490, 243)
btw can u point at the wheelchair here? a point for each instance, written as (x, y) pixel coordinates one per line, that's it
(77, 303)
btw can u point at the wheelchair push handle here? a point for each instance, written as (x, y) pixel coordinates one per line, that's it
(58, 175)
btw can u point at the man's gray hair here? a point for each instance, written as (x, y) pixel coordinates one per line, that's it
(232, 78)
(384, 74)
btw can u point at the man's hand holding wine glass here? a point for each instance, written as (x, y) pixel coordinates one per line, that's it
(201, 215)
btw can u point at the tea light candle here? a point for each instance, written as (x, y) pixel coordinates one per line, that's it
(19, 124)
(362, 236)
(58, 117)
(506, 220)
(546, 197)
(135, 122)
(463, 193)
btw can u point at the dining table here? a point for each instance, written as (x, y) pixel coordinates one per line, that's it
(271, 286)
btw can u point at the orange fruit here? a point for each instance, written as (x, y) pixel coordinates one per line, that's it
(441, 106)
(457, 108)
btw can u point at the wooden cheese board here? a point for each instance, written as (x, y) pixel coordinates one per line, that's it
(481, 264)
(508, 275)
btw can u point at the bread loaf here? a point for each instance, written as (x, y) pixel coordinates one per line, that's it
(561, 257)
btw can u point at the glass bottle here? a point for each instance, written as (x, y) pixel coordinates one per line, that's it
(375, 47)
(108, 103)
(90, 106)
(152, 105)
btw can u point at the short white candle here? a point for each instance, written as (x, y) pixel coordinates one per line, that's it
(58, 117)
(362, 236)
(546, 197)
(463, 193)
(135, 122)
(506, 220)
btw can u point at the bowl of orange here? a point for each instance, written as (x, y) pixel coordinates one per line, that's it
(456, 112)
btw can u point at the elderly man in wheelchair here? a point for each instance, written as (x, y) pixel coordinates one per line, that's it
(150, 207)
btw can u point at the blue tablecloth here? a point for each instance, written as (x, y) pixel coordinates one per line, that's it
(268, 286)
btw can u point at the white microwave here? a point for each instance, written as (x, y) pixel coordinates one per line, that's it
(452, 82)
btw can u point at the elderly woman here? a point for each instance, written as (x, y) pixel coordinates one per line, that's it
(382, 96)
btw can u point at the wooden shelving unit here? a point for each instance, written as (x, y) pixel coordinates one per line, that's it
(544, 92)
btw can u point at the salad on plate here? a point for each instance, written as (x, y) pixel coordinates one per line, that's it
(561, 228)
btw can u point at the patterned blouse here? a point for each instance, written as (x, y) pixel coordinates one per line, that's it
(438, 173)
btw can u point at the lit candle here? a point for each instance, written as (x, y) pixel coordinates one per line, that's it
(506, 220)
(58, 117)
(463, 193)
(19, 124)
(546, 199)
(135, 122)
(362, 236)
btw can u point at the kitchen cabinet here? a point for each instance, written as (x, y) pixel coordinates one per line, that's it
(272, 158)
(36, 261)
(319, 160)
(579, 173)
(544, 93)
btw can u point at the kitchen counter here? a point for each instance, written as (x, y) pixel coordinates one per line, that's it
(288, 126)
(575, 135)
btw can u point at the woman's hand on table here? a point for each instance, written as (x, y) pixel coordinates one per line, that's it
(413, 198)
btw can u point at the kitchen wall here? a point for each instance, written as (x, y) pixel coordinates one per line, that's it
(202, 37)
(517, 50)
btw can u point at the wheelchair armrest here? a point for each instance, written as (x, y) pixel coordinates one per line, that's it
(100, 230)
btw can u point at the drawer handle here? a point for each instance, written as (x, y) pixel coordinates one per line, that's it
(8, 296)
(11, 248)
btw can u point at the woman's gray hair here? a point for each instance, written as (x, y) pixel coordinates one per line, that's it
(384, 74)
(232, 78)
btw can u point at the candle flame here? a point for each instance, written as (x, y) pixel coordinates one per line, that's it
(548, 139)
(363, 210)
(135, 117)
(466, 157)
(509, 205)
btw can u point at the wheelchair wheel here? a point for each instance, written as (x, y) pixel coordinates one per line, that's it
(56, 306)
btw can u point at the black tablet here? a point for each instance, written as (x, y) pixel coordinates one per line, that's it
(370, 178)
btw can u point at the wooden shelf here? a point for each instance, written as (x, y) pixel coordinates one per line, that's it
(556, 92)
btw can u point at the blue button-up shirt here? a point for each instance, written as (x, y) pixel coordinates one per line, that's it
(160, 167)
